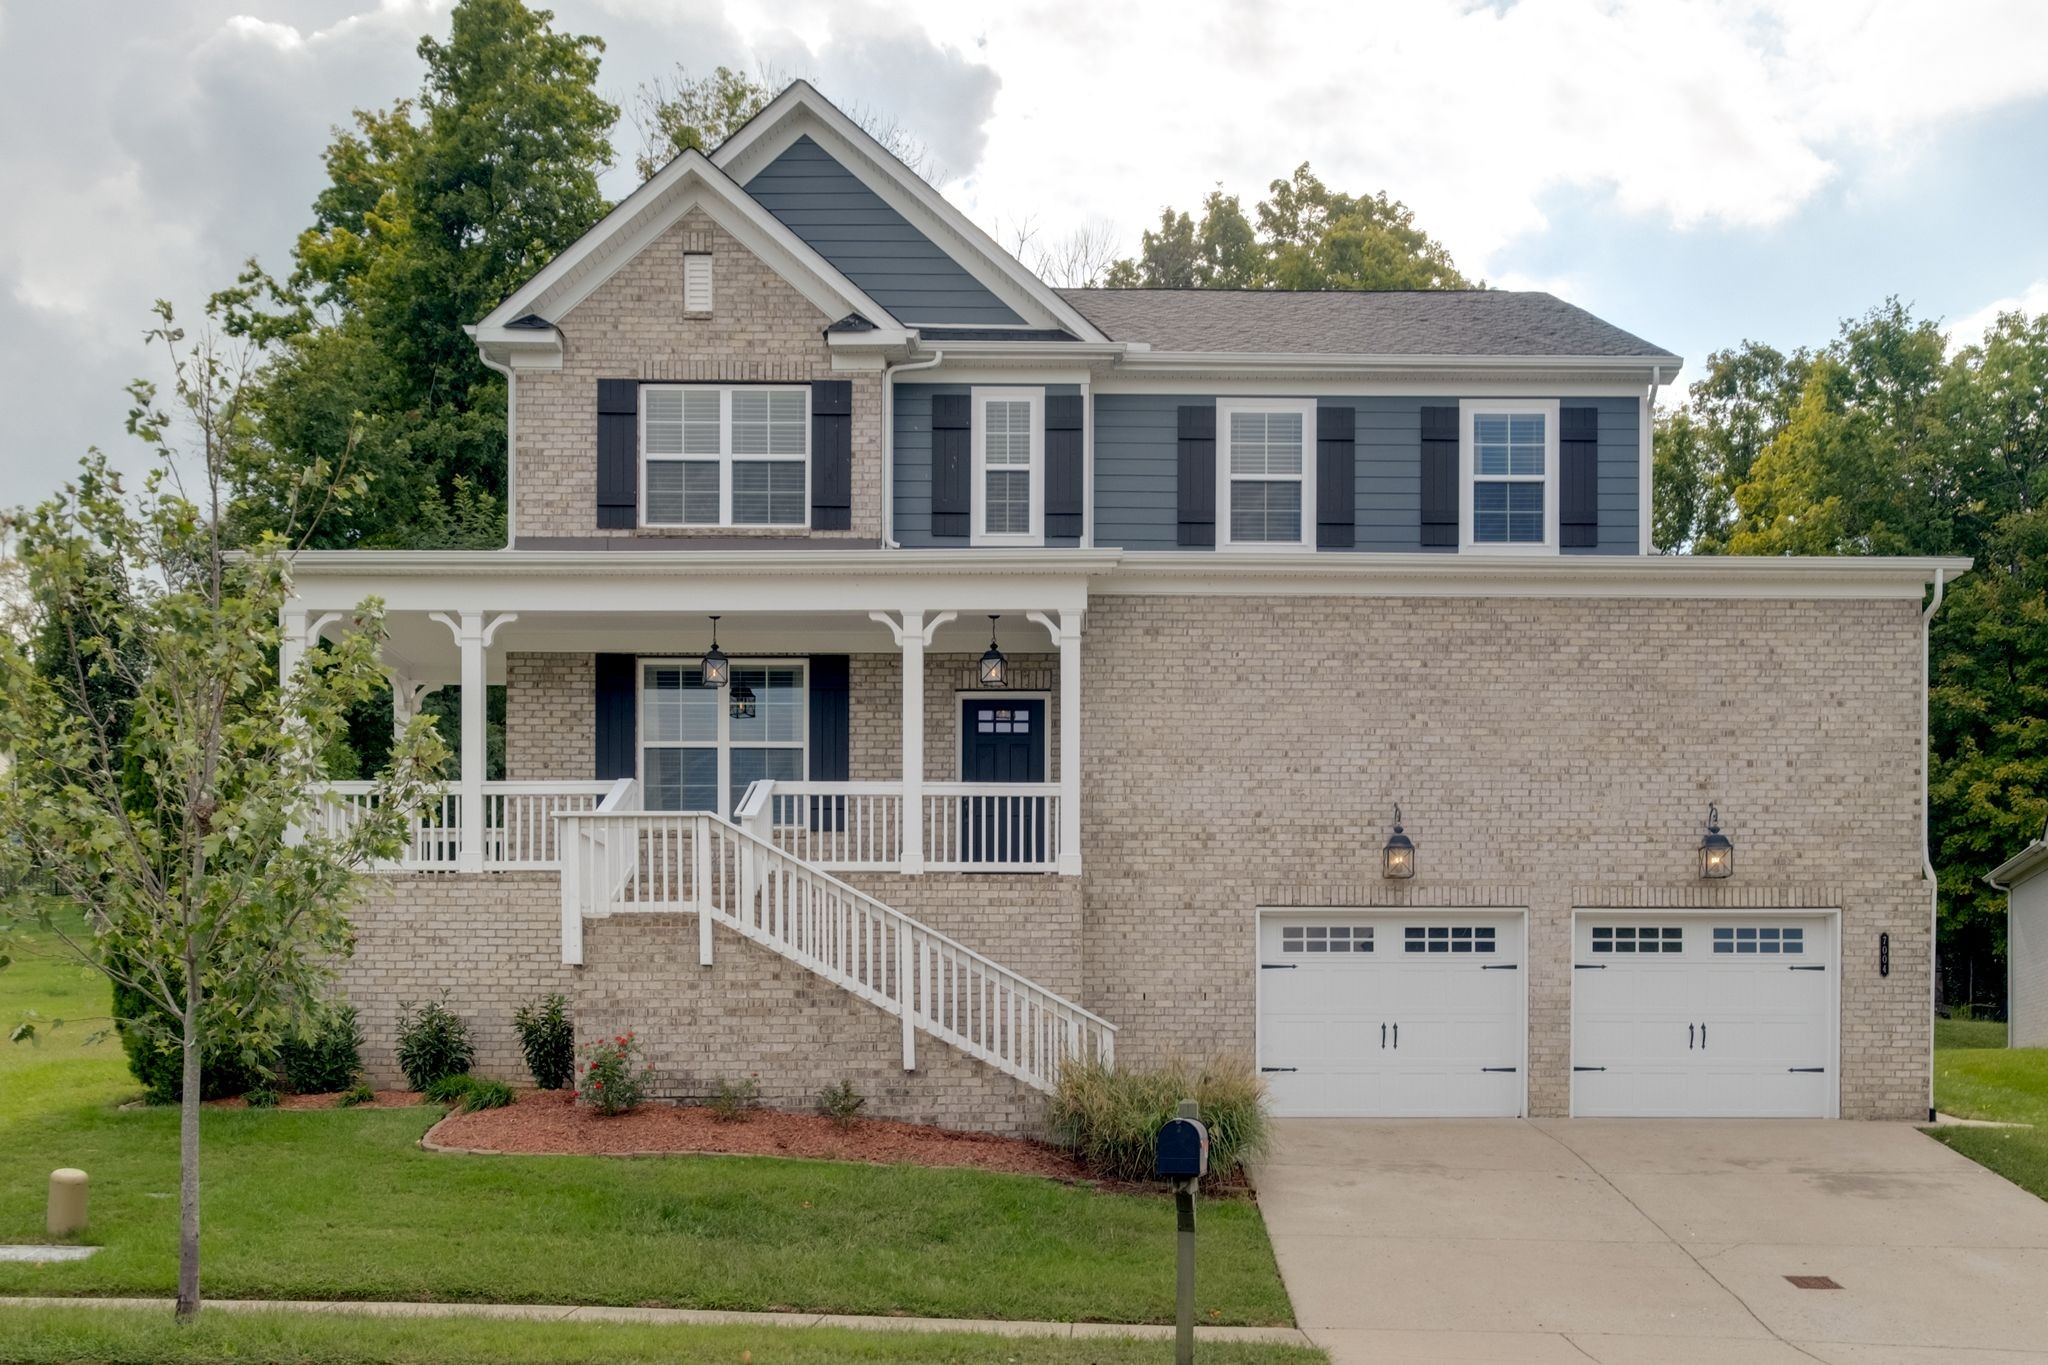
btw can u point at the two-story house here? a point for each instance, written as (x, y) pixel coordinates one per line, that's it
(918, 674)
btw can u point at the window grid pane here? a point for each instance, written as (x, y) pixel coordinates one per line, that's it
(767, 493)
(1006, 501)
(1265, 512)
(1507, 513)
(1265, 443)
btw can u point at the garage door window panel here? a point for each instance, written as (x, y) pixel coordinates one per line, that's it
(1448, 938)
(1326, 938)
(1754, 940)
(1632, 938)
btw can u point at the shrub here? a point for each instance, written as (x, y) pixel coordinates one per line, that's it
(1110, 1116)
(361, 1094)
(262, 1097)
(732, 1101)
(432, 1043)
(485, 1095)
(324, 1053)
(549, 1041)
(449, 1090)
(149, 1039)
(611, 1078)
(841, 1103)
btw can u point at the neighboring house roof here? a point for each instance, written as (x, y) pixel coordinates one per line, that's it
(1426, 322)
(2021, 866)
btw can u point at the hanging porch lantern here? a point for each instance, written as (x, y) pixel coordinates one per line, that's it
(1717, 854)
(742, 702)
(717, 668)
(995, 669)
(1397, 859)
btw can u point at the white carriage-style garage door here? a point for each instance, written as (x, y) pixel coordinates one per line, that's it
(1391, 1015)
(1702, 1016)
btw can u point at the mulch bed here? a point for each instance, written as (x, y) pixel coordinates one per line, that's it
(386, 1099)
(551, 1122)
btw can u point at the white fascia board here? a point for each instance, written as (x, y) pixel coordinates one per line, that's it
(1639, 369)
(801, 109)
(2029, 862)
(1422, 384)
(689, 181)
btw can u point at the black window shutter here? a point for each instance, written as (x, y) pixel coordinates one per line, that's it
(616, 702)
(952, 465)
(1578, 458)
(1063, 472)
(1196, 477)
(831, 687)
(618, 454)
(831, 455)
(1439, 477)
(1336, 478)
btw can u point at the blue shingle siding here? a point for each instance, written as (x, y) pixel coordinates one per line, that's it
(870, 243)
(912, 492)
(1136, 462)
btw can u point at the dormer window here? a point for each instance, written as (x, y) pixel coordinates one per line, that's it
(1507, 458)
(697, 282)
(737, 456)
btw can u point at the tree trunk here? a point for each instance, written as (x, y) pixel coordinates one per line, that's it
(188, 1155)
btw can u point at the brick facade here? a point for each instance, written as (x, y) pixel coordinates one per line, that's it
(633, 327)
(550, 725)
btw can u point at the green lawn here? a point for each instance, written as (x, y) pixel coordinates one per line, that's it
(1976, 1076)
(121, 1336)
(343, 1205)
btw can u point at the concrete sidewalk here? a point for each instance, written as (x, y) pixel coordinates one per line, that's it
(537, 1312)
(1652, 1242)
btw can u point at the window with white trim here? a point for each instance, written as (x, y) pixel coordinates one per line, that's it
(1009, 466)
(695, 756)
(1507, 455)
(1265, 472)
(724, 456)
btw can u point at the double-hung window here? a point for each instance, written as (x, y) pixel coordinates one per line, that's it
(1507, 456)
(1009, 466)
(724, 456)
(1266, 472)
(695, 756)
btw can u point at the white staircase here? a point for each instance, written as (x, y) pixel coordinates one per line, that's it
(625, 861)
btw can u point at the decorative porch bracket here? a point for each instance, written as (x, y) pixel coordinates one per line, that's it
(913, 634)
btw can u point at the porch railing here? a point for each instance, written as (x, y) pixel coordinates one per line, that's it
(621, 862)
(968, 826)
(519, 829)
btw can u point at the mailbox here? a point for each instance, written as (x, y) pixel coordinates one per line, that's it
(1183, 1149)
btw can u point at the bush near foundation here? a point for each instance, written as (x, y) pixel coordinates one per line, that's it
(549, 1042)
(1109, 1116)
(324, 1054)
(611, 1078)
(432, 1043)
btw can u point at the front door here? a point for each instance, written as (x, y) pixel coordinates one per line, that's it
(1003, 740)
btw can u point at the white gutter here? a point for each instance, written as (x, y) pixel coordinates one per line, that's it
(511, 437)
(1927, 835)
(1315, 360)
(889, 442)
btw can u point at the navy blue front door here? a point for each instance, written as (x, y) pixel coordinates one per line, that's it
(1004, 741)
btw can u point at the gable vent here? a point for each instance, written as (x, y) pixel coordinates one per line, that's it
(697, 283)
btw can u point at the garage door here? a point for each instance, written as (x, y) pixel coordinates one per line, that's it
(1700, 1016)
(1379, 1015)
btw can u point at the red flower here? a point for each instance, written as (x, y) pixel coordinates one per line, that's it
(599, 1085)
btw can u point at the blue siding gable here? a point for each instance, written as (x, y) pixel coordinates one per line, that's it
(871, 243)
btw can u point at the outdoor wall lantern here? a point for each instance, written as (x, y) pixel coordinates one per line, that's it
(1717, 855)
(717, 668)
(1397, 859)
(995, 669)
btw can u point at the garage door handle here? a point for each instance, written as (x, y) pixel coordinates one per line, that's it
(1499, 966)
(1808, 1070)
(1589, 1068)
(1806, 969)
(1279, 1068)
(1688, 1036)
(1397, 1037)
(1589, 966)
(1278, 966)
(1499, 1068)
(1383, 1035)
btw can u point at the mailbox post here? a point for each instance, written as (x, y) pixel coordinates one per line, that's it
(1182, 1152)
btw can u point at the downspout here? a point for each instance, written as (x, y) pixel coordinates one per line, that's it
(889, 442)
(511, 437)
(1646, 456)
(1927, 830)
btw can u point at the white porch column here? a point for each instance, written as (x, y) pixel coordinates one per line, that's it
(1066, 636)
(913, 632)
(472, 637)
(291, 646)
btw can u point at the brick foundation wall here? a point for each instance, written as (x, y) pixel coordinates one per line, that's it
(633, 327)
(1546, 754)
(1030, 923)
(492, 941)
(755, 1014)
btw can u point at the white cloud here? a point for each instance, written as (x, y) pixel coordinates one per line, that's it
(1970, 328)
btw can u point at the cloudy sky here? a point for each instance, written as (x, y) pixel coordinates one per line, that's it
(1695, 170)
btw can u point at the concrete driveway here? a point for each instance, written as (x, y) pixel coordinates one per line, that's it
(1652, 1243)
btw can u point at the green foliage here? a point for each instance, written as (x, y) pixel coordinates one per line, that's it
(261, 1097)
(432, 1043)
(360, 1094)
(449, 1090)
(841, 1103)
(680, 112)
(734, 1101)
(485, 1095)
(1308, 236)
(548, 1039)
(435, 209)
(151, 1038)
(323, 1053)
(1110, 1116)
(611, 1078)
